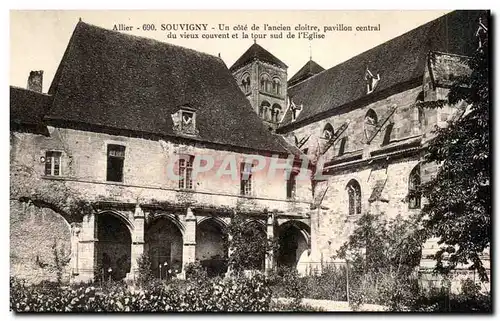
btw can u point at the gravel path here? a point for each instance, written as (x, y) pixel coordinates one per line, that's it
(327, 305)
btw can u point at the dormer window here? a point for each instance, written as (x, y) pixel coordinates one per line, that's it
(371, 81)
(295, 110)
(185, 120)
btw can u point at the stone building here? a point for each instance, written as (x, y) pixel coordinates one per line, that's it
(360, 121)
(90, 163)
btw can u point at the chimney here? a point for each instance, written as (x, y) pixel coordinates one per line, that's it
(35, 81)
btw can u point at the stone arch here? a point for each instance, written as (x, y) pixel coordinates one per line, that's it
(121, 216)
(34, 231)
(264, 109)
(277, 85)
(211, 249)
(171, 217)
(221, 223)
(245, 82)
(265, 82)
(295, 241)
(260, 223)
(114, 245)
(164, 235)
(276, 112)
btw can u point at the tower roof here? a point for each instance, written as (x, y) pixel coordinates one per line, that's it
(311, 68)
(256, 52)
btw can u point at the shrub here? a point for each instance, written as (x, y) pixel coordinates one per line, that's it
(195, 271)
(145, 273)
(230, 294)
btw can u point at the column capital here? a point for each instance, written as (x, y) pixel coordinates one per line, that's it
(190, 215)
(138, 213)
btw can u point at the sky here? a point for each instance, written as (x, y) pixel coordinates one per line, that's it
(38, 38)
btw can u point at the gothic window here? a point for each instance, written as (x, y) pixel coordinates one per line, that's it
(265, 83)
(245, 83)
(116, 159)
(246, 178)
(328, 131)
(53, 163)
(354, 194)
(414, 197)
(370, 123)
(342, 146)
(186, 172)
(264, 110)
(276, 86)
(276, 113)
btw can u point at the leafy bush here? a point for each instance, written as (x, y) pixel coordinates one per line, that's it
(195, 271)
(469, 299)
(145, 273)
(229, 294)
(248, 245)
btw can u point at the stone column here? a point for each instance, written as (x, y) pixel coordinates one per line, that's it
(270, 235)
(86, 251)
(189, 246)
(137, 241)
(76, 228)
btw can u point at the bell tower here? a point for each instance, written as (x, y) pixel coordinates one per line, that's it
(263, 79)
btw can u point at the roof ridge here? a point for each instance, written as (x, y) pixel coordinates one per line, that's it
(373, 48)
(30, 90)
(126, 35)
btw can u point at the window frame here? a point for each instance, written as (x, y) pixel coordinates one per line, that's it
(246, 184)
(185, 172)
(50, 155)
(291, 186)
(354, 198)
(109, 158)
(414, 181)
(188, 127)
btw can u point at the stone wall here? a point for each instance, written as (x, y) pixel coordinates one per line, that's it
(36, 235)
(331, 223)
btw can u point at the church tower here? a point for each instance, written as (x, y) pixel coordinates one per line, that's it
(263, 79)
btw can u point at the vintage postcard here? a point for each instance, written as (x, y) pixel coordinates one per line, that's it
(250, 161)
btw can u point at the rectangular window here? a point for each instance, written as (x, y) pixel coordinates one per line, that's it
(53, 163)
(291, 186)
(246, 178)
(186, 172)
(187, 121)
(116, 158)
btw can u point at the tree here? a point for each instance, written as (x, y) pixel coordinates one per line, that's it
(458, 209)
(382, 256)
(248, 244)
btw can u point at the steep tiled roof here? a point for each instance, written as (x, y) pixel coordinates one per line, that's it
(446, 68)
(28, 107)
(119, 81)
(256, 52)
(397, 61)
(311, 68)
